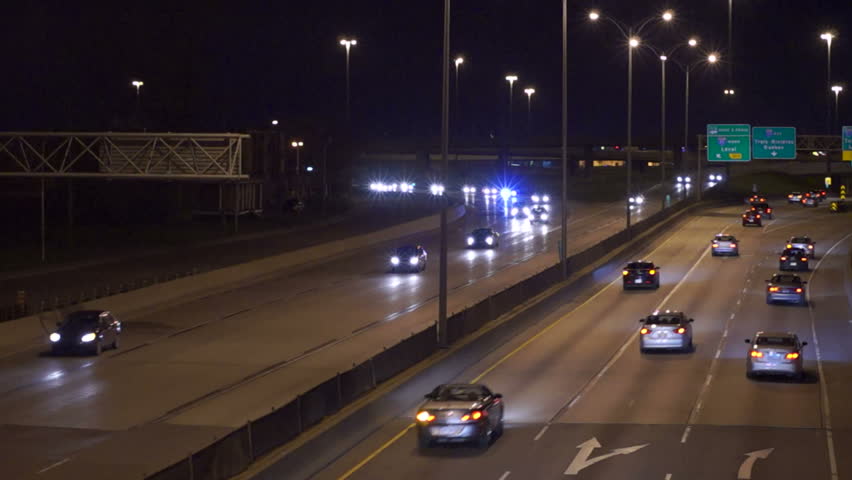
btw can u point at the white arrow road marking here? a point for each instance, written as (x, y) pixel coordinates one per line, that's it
(582, 460)
(744, 472)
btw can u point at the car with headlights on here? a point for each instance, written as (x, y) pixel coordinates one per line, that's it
(793, 259)
(762, 208)
(804, 243)
(409, 258)
(483, 238)
(520, 211)
(640, 274)
(775, 353)
(460, 413)
(87, 331)
(665, 331)
(787, 288)
(539, 214)
(540, 198)
(794, 197)
(725, 245)
(752, 218)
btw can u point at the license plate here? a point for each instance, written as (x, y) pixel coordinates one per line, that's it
(446, 431)
(793, 264)
(638, 280)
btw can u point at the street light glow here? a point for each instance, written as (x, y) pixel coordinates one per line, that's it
(827, 36)
(634, 42)
(836, 89)
(459, 61)
(137, 83)
(594, 15)
(297, 144)
(663, 58)
(712, 58)
(346, 42)
(275, 122)
(668, 15)
(529, 91)
(693, 42)
(512, 78)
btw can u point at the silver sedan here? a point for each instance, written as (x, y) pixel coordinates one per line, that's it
(460, 413)
(665, 331)
(775, 353)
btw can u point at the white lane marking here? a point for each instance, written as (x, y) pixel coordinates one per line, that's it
(734, 314)
(739, 300)
(64, 460)
(582, 460)
(541, 432)
(744, 473)
(685, 434)
(668, 476)
(505, 475)
(718, 352)
(823, 383)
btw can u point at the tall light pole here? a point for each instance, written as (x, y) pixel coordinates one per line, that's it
(138, 84)
(297, 145)
(529, 91)
(730, 53)
(563, 257)
(692, 42)
(711, 58)
(348, 43)
(458, 62)
(631, 34)
(836, 89)
(443, 338)
(511, 79)
(828, 37)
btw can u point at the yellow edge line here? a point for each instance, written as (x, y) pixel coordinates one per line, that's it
(399, 435)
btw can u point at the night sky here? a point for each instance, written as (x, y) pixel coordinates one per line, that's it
(214, 66)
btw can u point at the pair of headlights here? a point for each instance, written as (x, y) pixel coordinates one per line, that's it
(86, 338)
(411, 261)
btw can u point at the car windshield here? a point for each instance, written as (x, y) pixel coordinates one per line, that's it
(725, 238)
(481, 232)
(406, 251)
(776, 341)
(664, 319)
(78, 320)
(640, 265)
(800, 240)
(786, 279)
(462, 393)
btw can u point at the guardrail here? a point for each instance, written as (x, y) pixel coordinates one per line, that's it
(233, 453)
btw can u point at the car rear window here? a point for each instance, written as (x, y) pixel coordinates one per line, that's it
(724, 238)
(776, 341)
(461, 393)
(664, 319)
(640, 265)
(786, 279)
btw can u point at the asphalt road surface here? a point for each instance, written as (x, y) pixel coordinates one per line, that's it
(213, 363)
(582, 402)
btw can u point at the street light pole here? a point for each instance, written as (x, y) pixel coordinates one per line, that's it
(511, 79)
(443, 338)
(633, 43)
(138, 84)
(457, 110)
(529, 91)
(563, 257)
(348, 43)
(836, 89)
(663, 59)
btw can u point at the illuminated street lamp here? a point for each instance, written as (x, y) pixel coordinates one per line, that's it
(692, 43)
(297, 144)
(631, 34)
(529, 91)
(348, 43)
(138, 84)
(458, 62)
(274, 122)
(836, 89)
(828, 37)
(511, 79)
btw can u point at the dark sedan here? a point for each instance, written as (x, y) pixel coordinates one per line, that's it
(786, 288)
(762, 208)
(483, 238)
(752, 218)
(86, 331)
(408, 259)
(641, 274)
(793, 259)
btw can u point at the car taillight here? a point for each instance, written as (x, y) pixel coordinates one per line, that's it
(652, 272)
(773, 289)
(680, 330)
(425, 416)
(792, 356)
(744, 215)
(474, 415)
(798, 290)
(756, 354)
(789, 245)
(733, 245)
(768, 210)
(624, 272)
(715, 245)
(644, 331)
(804, 259)
(783, 258)
(753, 209)
(790, 196)
(758, 215)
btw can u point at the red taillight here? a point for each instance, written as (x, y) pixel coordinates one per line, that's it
(792, 356)
(753, 209)
(425, 416)
(715, 245)
(758, 215)
(804, 259)
(644, 331)
(652, 272)
(798, 290)
(773, 289)
(744, 215)
(768, 210)
(733, 245)
(474, 415)
(756, 354)
(680, 330)
(783, 258)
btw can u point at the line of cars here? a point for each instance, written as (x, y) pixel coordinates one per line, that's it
(810, 198)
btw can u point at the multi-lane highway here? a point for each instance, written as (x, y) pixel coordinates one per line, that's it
(583, 402)
(221, 360)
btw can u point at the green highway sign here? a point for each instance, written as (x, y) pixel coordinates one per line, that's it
(847, 143)
(774, 142)
(729, 143)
